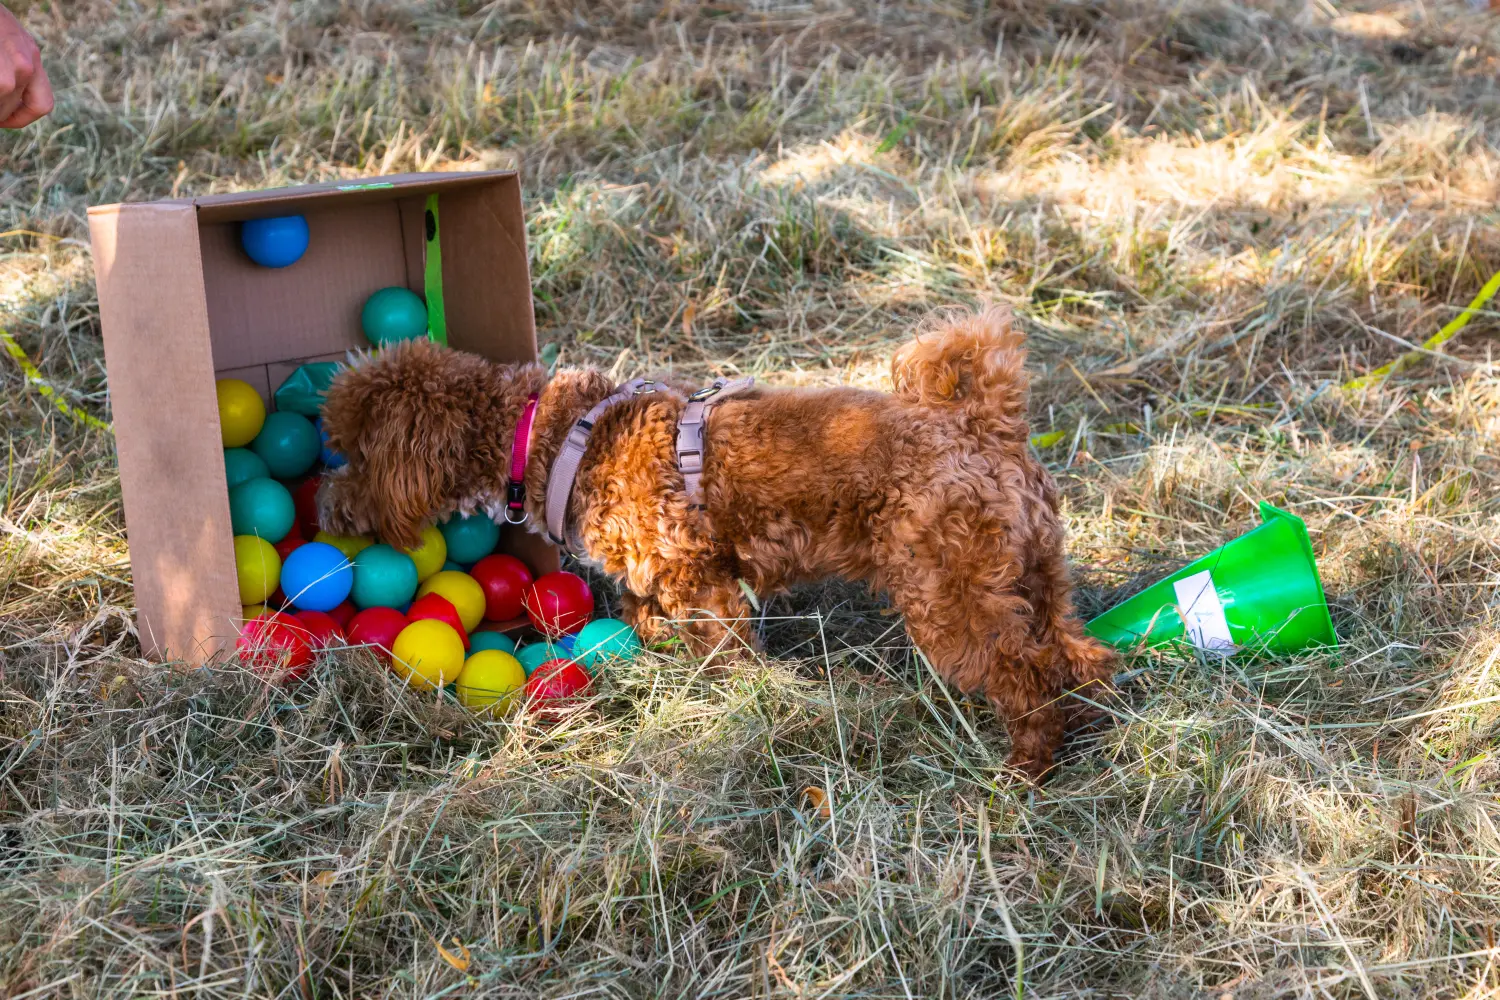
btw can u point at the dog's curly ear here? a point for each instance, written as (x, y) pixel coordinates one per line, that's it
(402, 420)
(413, 456)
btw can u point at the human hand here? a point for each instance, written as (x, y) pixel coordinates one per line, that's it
(25, 91)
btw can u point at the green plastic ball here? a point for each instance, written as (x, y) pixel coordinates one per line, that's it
(534, 654)
(241, 464)
(288, 444)
(393, 314)
(470, 539)
(263, 508)
(605, 639)
(491, 640)
(383, 578)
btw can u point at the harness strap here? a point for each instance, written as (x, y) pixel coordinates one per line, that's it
(520, 450)
(570, 457)
(692, 433)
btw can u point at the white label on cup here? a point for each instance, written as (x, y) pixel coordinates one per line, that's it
(1202, 614)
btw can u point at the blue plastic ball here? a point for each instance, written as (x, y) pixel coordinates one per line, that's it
(327, 455)
(452, 566)
(277, 242)
(317, 577)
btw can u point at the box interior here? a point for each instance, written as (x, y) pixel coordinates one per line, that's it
(265, 322)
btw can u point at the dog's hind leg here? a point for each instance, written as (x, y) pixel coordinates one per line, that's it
(964, 610)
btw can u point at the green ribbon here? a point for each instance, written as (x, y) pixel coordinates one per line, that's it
(437, 317)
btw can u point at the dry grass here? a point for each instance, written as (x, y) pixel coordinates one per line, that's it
(1207, 214)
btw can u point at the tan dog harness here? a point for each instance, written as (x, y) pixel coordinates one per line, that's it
(570, 457)
(692, 434)
(692, 430)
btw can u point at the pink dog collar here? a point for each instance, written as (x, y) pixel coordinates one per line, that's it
(515, 490)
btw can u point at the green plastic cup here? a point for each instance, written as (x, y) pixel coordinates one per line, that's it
(1260, 592)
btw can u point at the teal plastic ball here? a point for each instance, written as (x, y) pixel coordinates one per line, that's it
(241, 464)
(288, 444)
(491, 640)
(383, 578)
(534, 654)
(603, 640)
(393, 314)
(470, 539)
(263, 508)
(451, 566)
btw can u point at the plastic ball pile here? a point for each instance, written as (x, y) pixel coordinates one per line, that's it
(434, 614)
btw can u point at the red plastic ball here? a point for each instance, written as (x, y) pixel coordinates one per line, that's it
(275, 644)
(559, 604)
(504, 580)
(556, 680)
(277, 601)
(305, 497)
(343, 613)
(320, 629)
(287, 545)
(377, 628)
(438, 607)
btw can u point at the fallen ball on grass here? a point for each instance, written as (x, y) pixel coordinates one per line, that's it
(555, 681)
(603, 640)
(428, 654)
(275, 645)
(488, 680)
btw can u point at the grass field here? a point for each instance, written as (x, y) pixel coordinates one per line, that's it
(1208, 216)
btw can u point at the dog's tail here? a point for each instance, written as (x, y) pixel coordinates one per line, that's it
(976, 363)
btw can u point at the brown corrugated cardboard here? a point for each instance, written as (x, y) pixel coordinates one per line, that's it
(180, 305)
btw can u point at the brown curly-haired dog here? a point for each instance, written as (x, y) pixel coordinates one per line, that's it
(929, 493)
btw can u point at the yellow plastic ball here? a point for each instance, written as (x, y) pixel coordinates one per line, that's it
(241, 412)
(462, 590)
(431, 554)
(349, 545)
(258, 568)
(488, 681)
(428, 654)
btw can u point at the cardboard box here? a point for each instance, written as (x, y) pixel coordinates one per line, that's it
(181, 305)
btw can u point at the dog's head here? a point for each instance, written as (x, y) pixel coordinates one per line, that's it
(403, 418)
